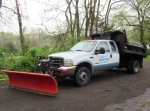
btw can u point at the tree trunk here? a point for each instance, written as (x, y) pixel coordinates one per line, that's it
(93, 7)
(141, 34)
(86, 5)
(22, 40)
(77, 18)
(107, 16)
(0, 3)
(69, 21)
(97, 16)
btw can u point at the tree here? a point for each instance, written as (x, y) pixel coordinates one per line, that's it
(0, 3)
(22, 40)
(11, 47)
(138, 17)
(18, 13)
(93, 19)
(83, 17)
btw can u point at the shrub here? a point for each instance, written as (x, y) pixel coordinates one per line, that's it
(29, 61)
(25, 63)
(148, 51)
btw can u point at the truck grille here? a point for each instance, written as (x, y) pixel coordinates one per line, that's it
(56, 61)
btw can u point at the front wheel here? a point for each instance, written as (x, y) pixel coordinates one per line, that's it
(82, 76)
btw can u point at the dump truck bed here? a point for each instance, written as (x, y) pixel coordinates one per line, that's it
(135, 49)
(121, 40)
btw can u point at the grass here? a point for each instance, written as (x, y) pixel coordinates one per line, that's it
(3, 76)
(147, 58)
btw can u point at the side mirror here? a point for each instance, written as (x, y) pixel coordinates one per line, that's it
(102, 51)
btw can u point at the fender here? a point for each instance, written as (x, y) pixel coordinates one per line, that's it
(87, 61)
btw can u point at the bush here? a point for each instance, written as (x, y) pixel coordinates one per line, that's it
(148, 51)
(1, 65)
(25, 63)
(29, 61)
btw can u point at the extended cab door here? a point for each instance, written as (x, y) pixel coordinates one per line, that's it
(115, 54)
(108, 60)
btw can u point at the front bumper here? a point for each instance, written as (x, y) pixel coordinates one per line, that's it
(65, 71)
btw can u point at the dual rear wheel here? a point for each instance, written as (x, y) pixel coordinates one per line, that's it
(133, 67)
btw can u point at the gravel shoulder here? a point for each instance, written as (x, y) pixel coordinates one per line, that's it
(139, 103)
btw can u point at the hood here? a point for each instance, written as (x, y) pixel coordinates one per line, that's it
(70, 54)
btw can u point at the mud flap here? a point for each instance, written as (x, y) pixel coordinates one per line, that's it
(34, 82)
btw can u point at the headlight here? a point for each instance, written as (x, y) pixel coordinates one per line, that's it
(68, 62)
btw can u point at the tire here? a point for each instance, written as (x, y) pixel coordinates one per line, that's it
(82, 76)
(134, 67)
(128, 67)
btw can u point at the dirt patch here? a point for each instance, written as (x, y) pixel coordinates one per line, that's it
(4, 81)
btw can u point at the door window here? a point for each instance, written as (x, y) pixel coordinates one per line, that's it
(113, 48)
(103, 44)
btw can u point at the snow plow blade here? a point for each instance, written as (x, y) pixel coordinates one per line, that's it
(44, 84)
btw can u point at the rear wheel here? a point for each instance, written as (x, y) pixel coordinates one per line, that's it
(128, 66)
(134, 67)
(82, 76)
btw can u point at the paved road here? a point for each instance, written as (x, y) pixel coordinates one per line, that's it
(107, 91)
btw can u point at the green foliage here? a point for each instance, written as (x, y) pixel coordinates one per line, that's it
(10, 45)
(147, 58)
(148, 51)
(1, 63)
(2, 76)
(29, 62)
(25, 64)
(4, 51)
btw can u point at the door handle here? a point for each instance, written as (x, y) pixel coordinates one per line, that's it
(110, 55)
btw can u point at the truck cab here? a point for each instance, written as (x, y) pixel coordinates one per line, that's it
(85, 58)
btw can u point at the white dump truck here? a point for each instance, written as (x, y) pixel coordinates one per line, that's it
(104, 51)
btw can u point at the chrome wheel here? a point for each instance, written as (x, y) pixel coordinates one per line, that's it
(82, 76)
(136, 66)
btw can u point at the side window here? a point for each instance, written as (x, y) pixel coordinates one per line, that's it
(103, 44)
(113, 46)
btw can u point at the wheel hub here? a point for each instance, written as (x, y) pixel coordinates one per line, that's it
(83, 77)
(136, 67)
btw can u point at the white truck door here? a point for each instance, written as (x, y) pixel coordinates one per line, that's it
(108, 59)
(114, 60)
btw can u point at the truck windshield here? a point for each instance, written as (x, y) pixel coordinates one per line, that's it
(84, 46)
